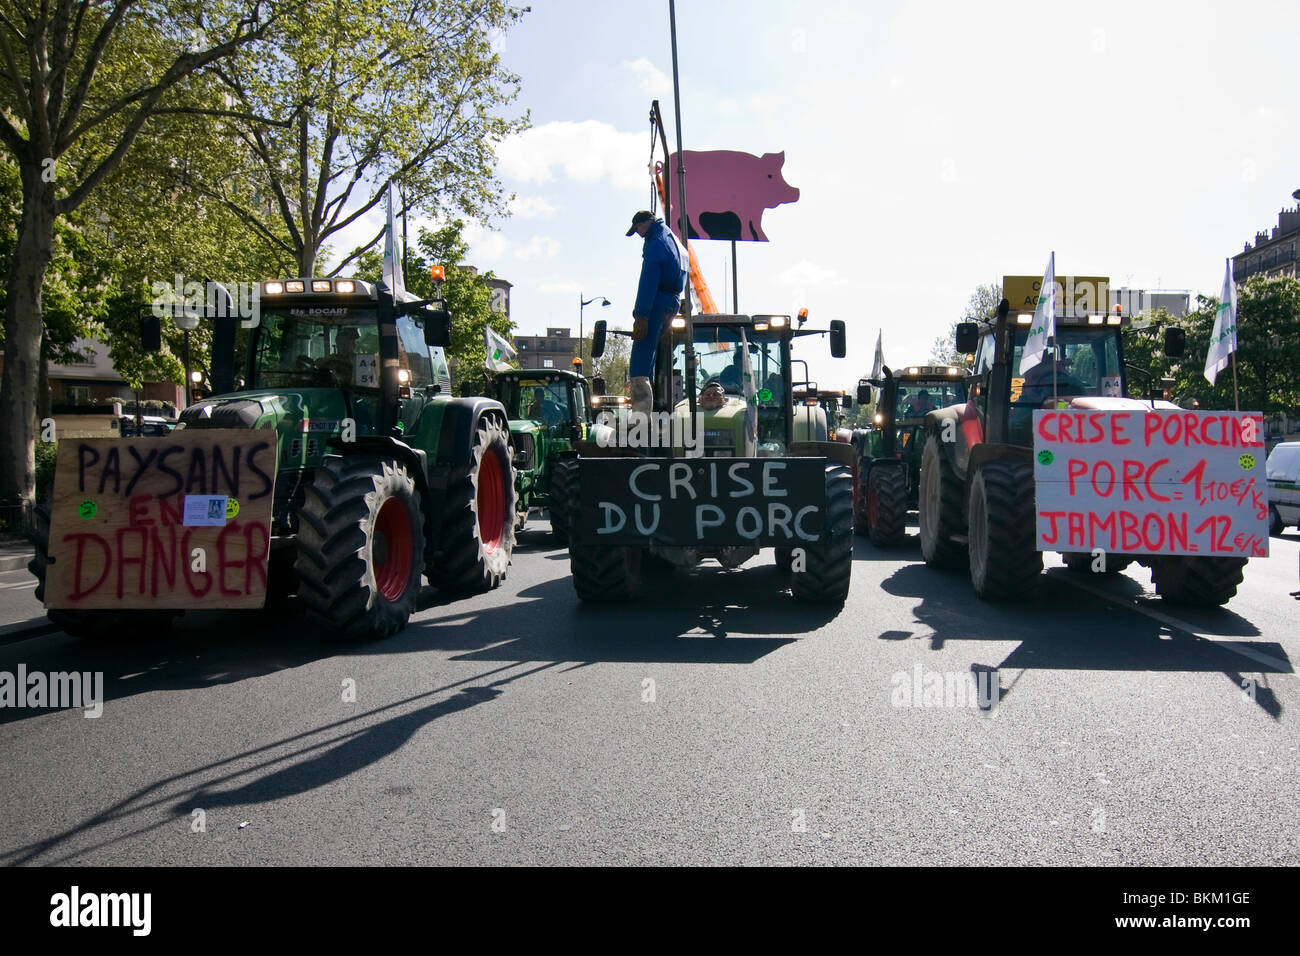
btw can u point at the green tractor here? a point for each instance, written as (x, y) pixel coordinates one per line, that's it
(549, 411)
(382, 474)
(889, 455)
(977, 496)
(719, 469)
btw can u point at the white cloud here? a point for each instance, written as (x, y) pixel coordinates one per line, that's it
(539, 247)
(651, 78)
(588, 151)
(531, 207)
(559, 288)
(805, 274)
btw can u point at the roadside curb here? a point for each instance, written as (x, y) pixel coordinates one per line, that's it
(14, 562)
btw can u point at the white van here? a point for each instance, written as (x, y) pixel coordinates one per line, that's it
(1283, 472)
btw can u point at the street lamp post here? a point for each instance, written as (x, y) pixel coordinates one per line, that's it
(582, 304)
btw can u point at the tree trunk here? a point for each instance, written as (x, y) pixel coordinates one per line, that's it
(22, 370)
(306, 261)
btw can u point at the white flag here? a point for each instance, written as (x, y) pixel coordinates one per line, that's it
(498, 352)
(878, 365)
(393, 258)
(751, 399)
(1043, 328)
(1223, 341)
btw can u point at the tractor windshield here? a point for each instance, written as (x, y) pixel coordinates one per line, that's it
(331, 347)
(718, 359)
(537, 399)
(916, 399)
(1088, 363)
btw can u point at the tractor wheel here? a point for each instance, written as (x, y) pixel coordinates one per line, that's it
(1188, 579)
(93, 624)
(887, 506)
(939, 508)
(1275, 526)
(564, 491)
(360, 547)
(825, 579)
(1005, 563)
(605, 573)
(478, 531)
(1081, 563)
(861, 526)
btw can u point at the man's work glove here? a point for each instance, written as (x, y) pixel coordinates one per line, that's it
(639, 329)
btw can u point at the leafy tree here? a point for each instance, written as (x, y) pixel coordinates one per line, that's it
(1268, 350)
(613, 365)
(354, 95)
(79, 81)
(468, 297)
(983, 304)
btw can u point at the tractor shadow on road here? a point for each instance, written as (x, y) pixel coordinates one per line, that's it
(1068, 628)
(680, 618)
(282, 769)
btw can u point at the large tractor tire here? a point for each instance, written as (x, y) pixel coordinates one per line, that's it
(1005, 563)
(360, 547)
(478, 530)
(861, 526)
(887, 505)
(1081, 563)
(93, 624)
(564, 495)
(605, 573)
(1199, 581)
(825, 578)
(939, 508)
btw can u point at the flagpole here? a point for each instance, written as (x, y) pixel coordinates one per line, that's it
(1236, 405)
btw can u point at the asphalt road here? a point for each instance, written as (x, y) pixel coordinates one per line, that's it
(714, 722)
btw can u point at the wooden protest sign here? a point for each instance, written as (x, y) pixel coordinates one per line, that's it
(181, 521)
(1151, 482)
(697, 502)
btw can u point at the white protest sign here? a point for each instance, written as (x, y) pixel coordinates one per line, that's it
(1151, 482)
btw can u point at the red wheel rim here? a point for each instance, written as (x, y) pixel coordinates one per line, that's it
(392, 549)
(873, 507)
(491, 501)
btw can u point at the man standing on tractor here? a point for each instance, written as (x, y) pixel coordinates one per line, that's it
(663, 277)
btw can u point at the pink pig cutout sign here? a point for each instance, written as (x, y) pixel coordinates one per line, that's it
(727, 191)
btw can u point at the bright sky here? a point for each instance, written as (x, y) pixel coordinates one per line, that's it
(936, 146)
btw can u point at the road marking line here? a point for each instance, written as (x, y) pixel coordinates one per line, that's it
(1245, 650)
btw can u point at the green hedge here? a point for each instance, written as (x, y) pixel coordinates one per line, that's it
(45, 455)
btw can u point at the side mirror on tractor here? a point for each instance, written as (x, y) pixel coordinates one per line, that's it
(437, 328)
(864, 392)
(1175, 342)
(838, 348)
(598, 386)
(598, 339)
(150, 332)
(968, 337)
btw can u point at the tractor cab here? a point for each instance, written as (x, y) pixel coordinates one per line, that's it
(555, 399)
(1085, 369)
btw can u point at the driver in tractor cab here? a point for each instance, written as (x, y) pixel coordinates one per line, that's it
(732, 377)
(920, 406)
(1038, 381)
(343, 359)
